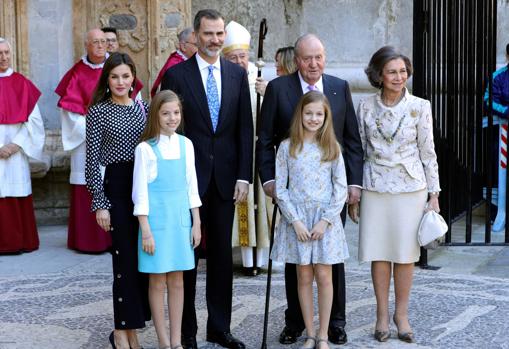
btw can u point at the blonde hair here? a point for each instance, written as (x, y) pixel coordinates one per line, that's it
(325, 136)
(153, 129)
(286, 60)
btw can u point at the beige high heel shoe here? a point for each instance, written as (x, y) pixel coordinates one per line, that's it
(306, 339)
(407, 337)
(382, 336)
(321, 340)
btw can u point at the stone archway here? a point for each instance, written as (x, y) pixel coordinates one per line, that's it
(147, 29)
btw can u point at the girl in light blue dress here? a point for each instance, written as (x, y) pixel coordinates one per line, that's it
(165, 195)
(311, 191)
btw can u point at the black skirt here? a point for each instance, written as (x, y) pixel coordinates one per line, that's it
(130, 288)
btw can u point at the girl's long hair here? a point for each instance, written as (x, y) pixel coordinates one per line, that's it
(102, 91)
(153, 129)
(325, 136)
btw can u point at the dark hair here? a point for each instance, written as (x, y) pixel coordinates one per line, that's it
(207, 13)
(109, 30)
(102, 91)
(286, 59)
(378, 61)
(152, 128)
(507, 49)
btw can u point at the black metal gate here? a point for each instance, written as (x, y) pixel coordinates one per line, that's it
(454, 56)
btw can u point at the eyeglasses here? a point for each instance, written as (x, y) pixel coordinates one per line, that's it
(97, 42)
(111, 41)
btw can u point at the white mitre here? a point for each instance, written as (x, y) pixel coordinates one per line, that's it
(237, 37)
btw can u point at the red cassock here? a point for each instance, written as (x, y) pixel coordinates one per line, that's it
(18, 231)
(175, 58)
(76, 90)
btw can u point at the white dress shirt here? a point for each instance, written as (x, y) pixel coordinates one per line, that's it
(304, 85)
(204, 71)
(145, 171)
(203, 66)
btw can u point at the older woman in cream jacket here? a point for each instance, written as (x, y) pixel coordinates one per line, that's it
(400, 177)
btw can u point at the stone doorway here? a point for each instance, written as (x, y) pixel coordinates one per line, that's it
(147, 29)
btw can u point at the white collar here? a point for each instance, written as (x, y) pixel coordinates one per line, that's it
(181, 55)
(403, 99)
(92, 65)
(304, 84)
(203, 64)
(7, 73)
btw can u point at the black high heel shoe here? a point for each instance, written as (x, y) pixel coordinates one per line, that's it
(112, 340)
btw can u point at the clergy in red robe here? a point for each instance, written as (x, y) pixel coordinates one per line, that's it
(21, 138)
(75, 90)
(186, 48)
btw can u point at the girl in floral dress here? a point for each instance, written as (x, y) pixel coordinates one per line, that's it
(311, 191)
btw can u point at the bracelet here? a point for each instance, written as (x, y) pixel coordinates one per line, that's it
(434, 193)
(146, 237)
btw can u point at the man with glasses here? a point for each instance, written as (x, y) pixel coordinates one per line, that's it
(186, 48)
(110, 34)
(75, 91)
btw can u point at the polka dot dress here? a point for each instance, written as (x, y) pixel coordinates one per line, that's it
(112, 133)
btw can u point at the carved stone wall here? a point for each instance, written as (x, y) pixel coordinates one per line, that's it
(56, 31)
(147, 29)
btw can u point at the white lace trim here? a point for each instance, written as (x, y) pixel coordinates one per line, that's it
(8, 72)
(92, 65)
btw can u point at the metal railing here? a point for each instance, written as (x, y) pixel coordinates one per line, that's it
(454, 55)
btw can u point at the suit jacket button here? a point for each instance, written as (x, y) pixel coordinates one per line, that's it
(211, 157)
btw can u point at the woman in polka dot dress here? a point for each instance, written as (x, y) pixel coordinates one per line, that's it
(114, 124)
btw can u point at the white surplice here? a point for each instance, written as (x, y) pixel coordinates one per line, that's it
(29, 136)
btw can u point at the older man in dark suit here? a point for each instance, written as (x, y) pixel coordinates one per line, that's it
(217, 114)
(280, 100)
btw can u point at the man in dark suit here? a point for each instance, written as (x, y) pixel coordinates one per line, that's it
(217, 113)
(280, 100)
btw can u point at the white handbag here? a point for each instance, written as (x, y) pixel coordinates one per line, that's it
(431, 228)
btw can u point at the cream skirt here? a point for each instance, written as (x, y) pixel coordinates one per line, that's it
(388, 226)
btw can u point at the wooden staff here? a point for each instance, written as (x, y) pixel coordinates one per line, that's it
(269, 280)
(259, 64)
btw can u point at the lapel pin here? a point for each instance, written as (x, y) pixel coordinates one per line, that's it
(334, 93)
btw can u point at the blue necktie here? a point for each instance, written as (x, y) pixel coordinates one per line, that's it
(212, 98)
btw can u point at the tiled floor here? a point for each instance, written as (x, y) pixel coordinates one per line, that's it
(56, 298)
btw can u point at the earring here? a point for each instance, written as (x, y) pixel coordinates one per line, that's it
(131, 89)
(107, 90)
